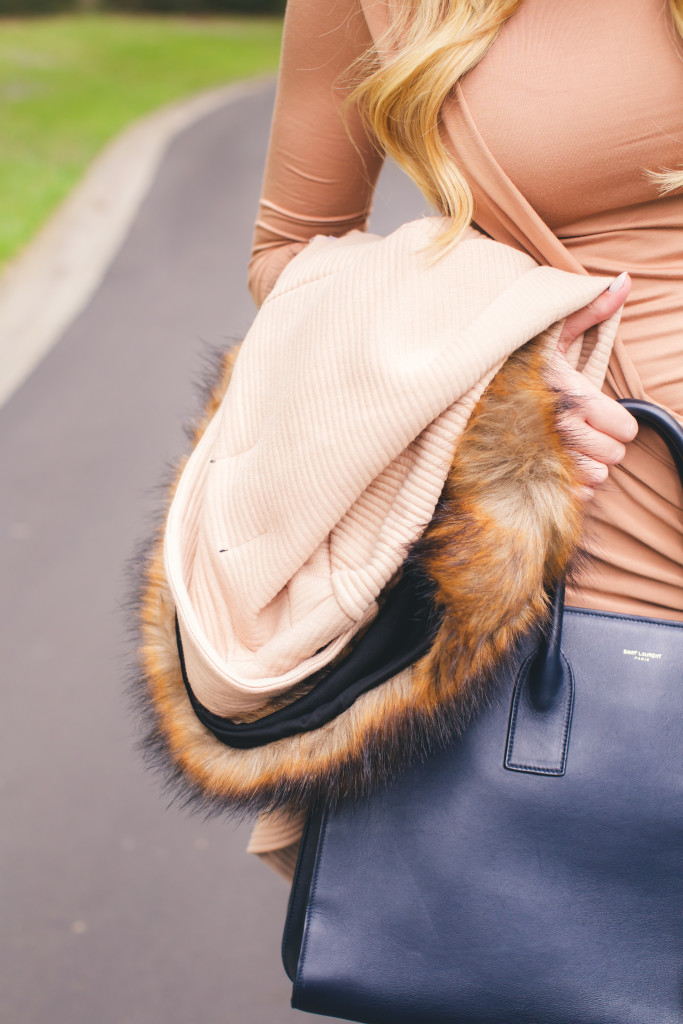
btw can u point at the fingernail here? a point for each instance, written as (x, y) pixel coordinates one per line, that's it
(617, 283)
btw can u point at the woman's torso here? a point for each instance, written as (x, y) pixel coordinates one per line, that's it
(575, 102)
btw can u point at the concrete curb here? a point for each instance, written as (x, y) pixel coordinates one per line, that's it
(53, 279)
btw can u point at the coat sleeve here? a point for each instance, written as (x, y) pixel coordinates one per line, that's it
(320, 172)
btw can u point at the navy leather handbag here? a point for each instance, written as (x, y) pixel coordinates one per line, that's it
(532, 871)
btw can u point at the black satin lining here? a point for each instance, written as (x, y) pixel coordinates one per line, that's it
(400, 634)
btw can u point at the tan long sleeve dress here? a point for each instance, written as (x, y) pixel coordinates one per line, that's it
(554, 129)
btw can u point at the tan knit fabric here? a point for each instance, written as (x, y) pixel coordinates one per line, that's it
(276, 841)
(327, 457)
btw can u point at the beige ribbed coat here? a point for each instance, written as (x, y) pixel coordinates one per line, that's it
(327, 457)
(315, 473)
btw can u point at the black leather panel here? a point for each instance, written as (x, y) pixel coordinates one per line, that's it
(293, 933)
(469, 894)
(538, 740)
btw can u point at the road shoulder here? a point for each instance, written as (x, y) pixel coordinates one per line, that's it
(55, 276)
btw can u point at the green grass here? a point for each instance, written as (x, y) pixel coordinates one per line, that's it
(69, 84)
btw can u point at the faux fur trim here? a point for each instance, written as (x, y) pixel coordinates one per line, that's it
(507, 527)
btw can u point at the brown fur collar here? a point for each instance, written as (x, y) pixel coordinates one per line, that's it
(507, 527)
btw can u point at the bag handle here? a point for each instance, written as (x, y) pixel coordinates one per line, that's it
(546, 672)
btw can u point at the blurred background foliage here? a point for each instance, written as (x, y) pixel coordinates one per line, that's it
(22, 8)
(70, 82)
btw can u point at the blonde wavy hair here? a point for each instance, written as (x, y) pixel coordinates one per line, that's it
(400, 97)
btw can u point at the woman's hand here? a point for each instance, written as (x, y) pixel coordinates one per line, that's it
(598, 426)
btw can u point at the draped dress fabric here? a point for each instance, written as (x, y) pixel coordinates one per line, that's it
(554, 130)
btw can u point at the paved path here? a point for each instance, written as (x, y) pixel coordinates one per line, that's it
(117, 909)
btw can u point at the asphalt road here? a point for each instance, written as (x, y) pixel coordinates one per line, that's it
(117, 908)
